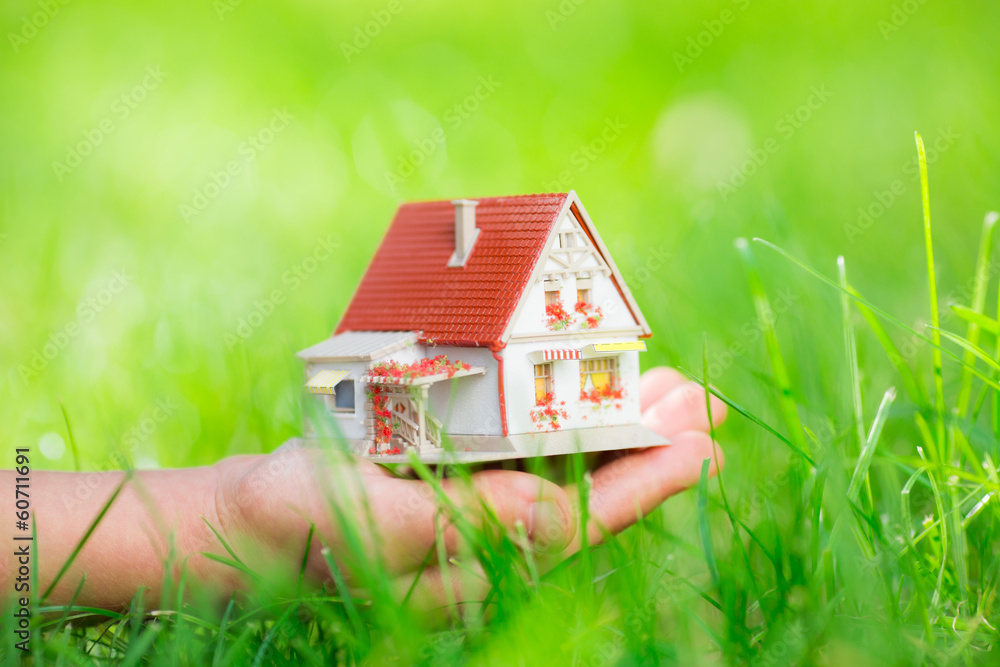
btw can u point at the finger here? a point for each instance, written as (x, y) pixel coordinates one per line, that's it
(657, 383)
(496, 497)
(683, 409)
(637, 483)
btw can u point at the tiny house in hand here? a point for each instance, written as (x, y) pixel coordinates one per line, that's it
(488, 328)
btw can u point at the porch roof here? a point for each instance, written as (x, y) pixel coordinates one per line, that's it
(359, 346)
(426, 379)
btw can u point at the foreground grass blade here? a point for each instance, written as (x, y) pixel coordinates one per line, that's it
(911, 383)
(932, 288)
(875, 309)
(749, 415)
(360, 629)
(868, 451)
(703, 527)
(981, 321)
(86, 536)
(786, 402)
(970, 348)
(978, 303)
(850, 343)
(69, 436)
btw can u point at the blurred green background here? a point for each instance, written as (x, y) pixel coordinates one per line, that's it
(168, 171)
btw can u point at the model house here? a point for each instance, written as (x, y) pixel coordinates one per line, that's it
(496, 327)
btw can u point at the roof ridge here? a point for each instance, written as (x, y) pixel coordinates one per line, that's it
(480, 199)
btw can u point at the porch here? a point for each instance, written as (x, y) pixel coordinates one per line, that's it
(396, 410)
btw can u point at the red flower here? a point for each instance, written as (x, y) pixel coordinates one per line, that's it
(592, 314)
(546, 416)
(604, 395)
(558, 318)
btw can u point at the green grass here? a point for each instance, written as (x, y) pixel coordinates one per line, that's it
(848, 527)
(872, 541)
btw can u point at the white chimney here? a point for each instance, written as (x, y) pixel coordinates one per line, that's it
(466, 231)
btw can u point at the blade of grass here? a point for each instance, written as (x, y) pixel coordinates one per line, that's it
(932, 289)
(223, 626)
(86, 536)
(851, 346)
(751, 578)
(983, 322)
(138, 648)
(305, 559)
(911, 383)
(978, 303)
(269, 637)
(925, 618)
(875, 309)
(969, 348)
(72, 603)
(939, 506)
(953, 524)
(786, 402)
(706, 535)
(360, 629)
(69, 436)
(236, 565)
(222, 541)
(860, 475)
(749, 415)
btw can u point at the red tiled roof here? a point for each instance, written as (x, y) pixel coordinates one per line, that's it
(409, 285)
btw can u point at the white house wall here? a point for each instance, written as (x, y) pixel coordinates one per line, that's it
(530, 336)
(519, 387)
(468, 405)
(351, 426)
(604, 294)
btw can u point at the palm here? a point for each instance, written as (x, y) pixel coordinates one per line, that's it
(274, 500)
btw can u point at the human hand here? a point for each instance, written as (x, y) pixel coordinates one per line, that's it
(266, 504)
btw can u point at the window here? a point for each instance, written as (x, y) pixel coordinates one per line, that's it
(543, 382)
(583, 295)
(343, 398)
(567, 239)
(551, 296)
(600, 374)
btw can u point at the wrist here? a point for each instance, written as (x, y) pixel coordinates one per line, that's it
(216, 518)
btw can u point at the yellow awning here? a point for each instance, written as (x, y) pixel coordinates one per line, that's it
(324, 382)
(620, 347)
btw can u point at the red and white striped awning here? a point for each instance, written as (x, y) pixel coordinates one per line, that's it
(559, 355)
